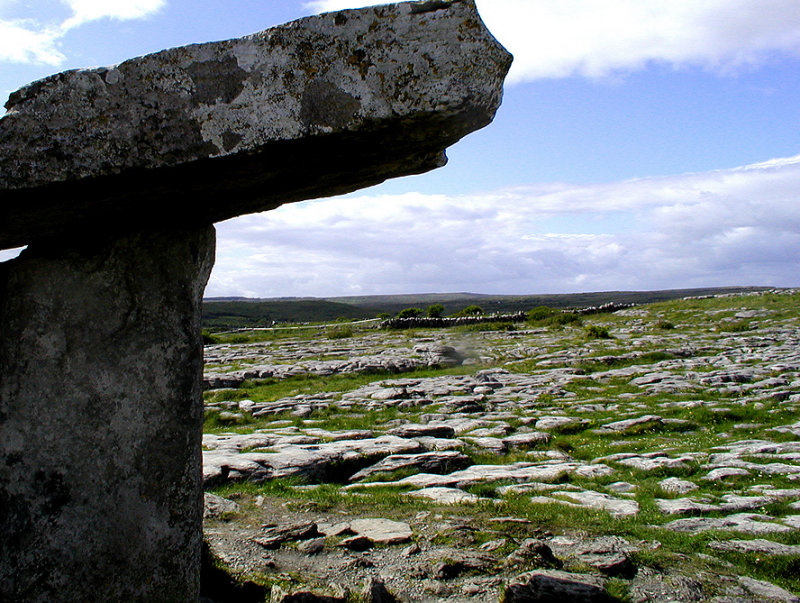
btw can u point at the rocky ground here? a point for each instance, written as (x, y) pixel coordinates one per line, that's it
(648, 455)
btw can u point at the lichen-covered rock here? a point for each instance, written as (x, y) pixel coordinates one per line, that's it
(555, 585)
(324, 105)
(100, 419)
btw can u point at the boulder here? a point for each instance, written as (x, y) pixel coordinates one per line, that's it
(555, 585)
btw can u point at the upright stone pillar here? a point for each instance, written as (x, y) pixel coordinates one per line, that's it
(101, 418)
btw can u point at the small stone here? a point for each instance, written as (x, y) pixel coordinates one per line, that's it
(622, 488)
(311, 547)
(739, 522)
(766, 591)
(562, 424)
(676, 485)
(463, 561)
(216, 506)
(527, 440)
(765, 547)
(274, 536)
(604, 502)
(357, 543)
(637, 425)
(382, 531)
(375, 591)
(724, 473)
(411, 430)
(493, 545)
(555, 585)
(683, 506)
(446, 496)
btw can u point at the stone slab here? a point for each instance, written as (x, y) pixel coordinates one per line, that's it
(318, 107)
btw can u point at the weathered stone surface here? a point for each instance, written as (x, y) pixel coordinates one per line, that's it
(766, 591)
(215, 506)
(312, 462)
(381, 531)
(562, 424)
(637, 425)
(428, 462)
(758, 545)
(555, 585)
(100, 419)
(274, 536)
(446, 496)
(460, 562)
(598, 500)
(411, 430)
(321, 106)
(738, 522)
(676, 485)
(607, 554)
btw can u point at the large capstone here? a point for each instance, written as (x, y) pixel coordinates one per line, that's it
(321, 106)
(114, 177)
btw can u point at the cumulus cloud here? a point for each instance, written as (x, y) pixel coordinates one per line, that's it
(597, 38)
(727, 227)
(27, 42)
(92, 10)
(36, 41)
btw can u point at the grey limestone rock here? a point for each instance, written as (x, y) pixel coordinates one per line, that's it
(766, 591)
(739, 522)
(676, 485)
(321, 106)
(636, 425)
(443, 461)
(275, 536)
(758, 545)
(100, 419)
(216, 506)
(556, 585)
(381, 531)
(446, 496)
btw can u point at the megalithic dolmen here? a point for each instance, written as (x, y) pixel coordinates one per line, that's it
(113, 178)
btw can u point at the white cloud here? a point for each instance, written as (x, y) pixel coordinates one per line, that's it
(35, 41)
(10, 254)
(597, 38)
(27, 42)
(727, 227)
(92, 10)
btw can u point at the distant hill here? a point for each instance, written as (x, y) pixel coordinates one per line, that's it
(237, 312)
(453, 302)
(221, 314)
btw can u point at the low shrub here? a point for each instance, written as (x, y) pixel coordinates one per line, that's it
(541, 313)
(342, 332)
(410, 313)
(597, 332)
(472, 310)
(209, 338)
(434, 311)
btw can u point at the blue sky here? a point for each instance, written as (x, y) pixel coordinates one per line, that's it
(641, 144)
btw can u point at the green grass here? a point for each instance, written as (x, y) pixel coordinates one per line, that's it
(706, 326)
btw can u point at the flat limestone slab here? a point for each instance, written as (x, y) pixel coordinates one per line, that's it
(321, 106)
